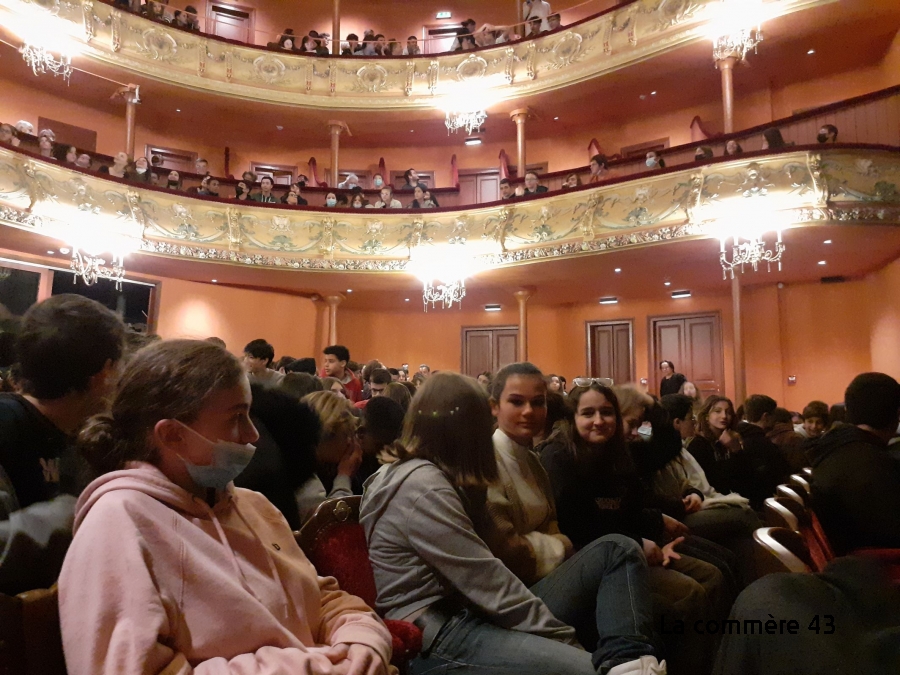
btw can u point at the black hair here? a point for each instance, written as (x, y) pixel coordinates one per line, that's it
(304, 365)
(260, 349)
(669, 363)
(757, 405)
(299, 385)
(63, 342)
(678, 406)
(412, 37)
(873, 399)
(394, 371)
(601, 160)
(705, 151)
(340, 351)
(383, 419)
(831, 129)
(782, 416)
(353, 36)
(407, 174)
(774, 138)
(533, 173)
(498, 384)
(380, 376)
(505, 181)
(268, 178)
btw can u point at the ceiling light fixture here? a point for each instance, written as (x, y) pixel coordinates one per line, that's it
(618, 270)
(406, 300)
(473, 141)
(279, 127)
(177, 109)
(680, 294)
(653, 93)
(827, 241)
(492, 308)
(51, 252)
(736, 28)
(42, 61)
(822, 262)
(668, 283)
(555, 119)
(215, 281)
(752, 252)
(611, 300)
(349, 290)
(811, 52)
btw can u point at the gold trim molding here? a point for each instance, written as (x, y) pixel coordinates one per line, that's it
(784, 190)
(605, 43)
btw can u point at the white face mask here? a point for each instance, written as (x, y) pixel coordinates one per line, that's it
(357, 205)
(229, 460)
(330, 202)
(378, 182)
(140, 170)
(651, 162)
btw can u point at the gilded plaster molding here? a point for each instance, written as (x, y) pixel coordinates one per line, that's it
(605, 43)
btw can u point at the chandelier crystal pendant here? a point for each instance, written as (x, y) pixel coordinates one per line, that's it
(445, 293)
(43, 61)
(91, 268)
(470, 120)
(738, 44)
(752, 252)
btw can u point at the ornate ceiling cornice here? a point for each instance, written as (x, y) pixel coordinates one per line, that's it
(595, 46)
(785, 190)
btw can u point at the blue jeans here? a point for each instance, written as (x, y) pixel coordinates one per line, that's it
(602, 591)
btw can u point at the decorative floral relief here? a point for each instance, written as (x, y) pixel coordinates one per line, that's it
(566, 50)
(281, 224)
(371, 78)
(51, 6)
(268, 68)
(158, 45)
(473, 68)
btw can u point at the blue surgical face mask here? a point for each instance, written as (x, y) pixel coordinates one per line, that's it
(357, 205)
(651, 162)
(228, 461)
(378, 182)
(330, 202)
(645, 431)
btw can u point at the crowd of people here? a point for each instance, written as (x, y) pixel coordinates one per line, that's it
(523, 527)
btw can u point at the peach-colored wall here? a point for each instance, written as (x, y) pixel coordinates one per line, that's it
(884, 300)
(194, 310)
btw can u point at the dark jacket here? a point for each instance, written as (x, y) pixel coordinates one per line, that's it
(856, 490)
(671, 385)
(792, 445)
(596, 496)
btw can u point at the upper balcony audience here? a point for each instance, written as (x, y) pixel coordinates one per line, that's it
(537, 9)
(827, 134)
(386, 200)
(732, 147)
(654, 161)
(531, 184)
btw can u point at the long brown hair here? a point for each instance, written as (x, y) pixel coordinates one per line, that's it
(449, 423)
(171, 379)
(615, 450)
(703, 427)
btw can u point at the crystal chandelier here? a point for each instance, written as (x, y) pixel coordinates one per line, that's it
(470, 120)
(445, 293)
(753, 251)
(92, 267)
(737, 44)
(42, 61)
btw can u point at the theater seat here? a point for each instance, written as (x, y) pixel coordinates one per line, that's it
(781, 550)
(800, 483)
(335, 544)
(30, 639)
(781, 512)
(791, 492)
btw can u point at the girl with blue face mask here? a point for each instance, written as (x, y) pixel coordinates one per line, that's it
(165, 546)
(330, 200)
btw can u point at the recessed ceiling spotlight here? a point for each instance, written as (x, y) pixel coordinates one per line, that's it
(555, 118)
(680, 294)
(64, 250)
(177, 109)
(811, 52)
(412, 131)
(668, 283)
(279, 127)
(827, 241)
(611, 300)
(215, 281)
(492, 308)
(653, 93)
(643, 97)
(406, 300)
(473, 141)
(52, 252)
(821, 262)
(618, 270)
(349, 290)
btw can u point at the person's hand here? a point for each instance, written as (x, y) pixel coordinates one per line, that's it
(652, 553)
(692, 503)
(731, 441)
(668, 552)
(355, 659)
(674, 528)
(349, 464)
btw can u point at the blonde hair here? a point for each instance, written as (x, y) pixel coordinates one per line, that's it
(631, 400)
(335, 413)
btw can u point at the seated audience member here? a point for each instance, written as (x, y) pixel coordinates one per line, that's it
(837, 414)
(294, 189)
(468, 28)
(71, 155)
(534, 28)
(265, 191)
(411, 176)
(732, 148)
(380, 425)
(257, 360)
(419, 200)
(187, 19)
(690, 390)
(717, 445)
(671, 381)
(791, 444)
(553, 22)
(599, 168)
(249, 177)
(412, 47)
(282, 362)
(537, 9)
(201, 167)
(352, 45)
(815, 421)
(242, 191)
(843, 620)
(394, 48)
(387, 200)
(351, 181)
(377, 181)
(209, 187)
(25, 127)
(553, 383)
(119, 166)
(68, 351)
(331, 200)
(531, 184)
(770, 467)
(333, 384)
(827, 134)
(285, 456)
(46, 140)
(377, 382)
(399, 393)
(140, 171)
(772, 139)
(855, 481)
(506, 189)
(335, 364)
(173, 181)
(654, 161)
(358, 201)
(420, 515)
(368, 45)
(338, 454)
(8, 134)
(299, 385)
(703, 153)
(430, 202)
(163, 521)
(83, 161)
(571, 181)
(597, 491)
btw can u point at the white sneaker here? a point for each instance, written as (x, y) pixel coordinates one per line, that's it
(646, 665)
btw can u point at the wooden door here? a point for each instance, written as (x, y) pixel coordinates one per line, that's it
(610, 350)
(231, 21)
(479, 186)
(488, 348)
(694, 344)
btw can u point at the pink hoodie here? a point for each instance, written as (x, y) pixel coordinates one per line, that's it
(156, 581)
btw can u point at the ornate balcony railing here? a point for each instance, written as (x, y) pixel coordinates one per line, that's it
(599, 44)
(777, 191)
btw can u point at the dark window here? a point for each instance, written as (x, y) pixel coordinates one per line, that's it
(132, 303)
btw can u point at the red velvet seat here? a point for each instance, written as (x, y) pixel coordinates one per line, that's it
(335, 544)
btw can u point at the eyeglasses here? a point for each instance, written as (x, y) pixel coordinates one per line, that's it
(588, 381)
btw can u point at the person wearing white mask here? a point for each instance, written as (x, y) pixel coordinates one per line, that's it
(654, 161)
(166, 547)
(537, 9)
(378, 181)
(330, 200)
(141, 172)
(349, 183)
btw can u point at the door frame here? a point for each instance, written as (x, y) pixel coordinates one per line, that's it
(588, 325)
(462, 340)
(651, 345)
(250, 11)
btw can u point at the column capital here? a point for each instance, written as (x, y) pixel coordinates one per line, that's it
(727, 62)
(519, 115)
(523, 294)
(130, 93)
(333, 300)
(337, 126)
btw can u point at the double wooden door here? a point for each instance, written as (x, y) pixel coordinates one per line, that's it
(488, 348)
(694, 344)
(610, 350)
